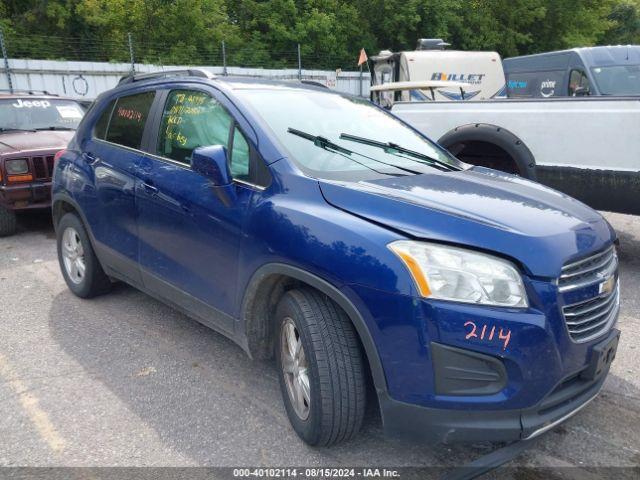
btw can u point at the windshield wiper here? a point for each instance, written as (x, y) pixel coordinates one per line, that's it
(327, 144)
(394, 148)
(54, 128)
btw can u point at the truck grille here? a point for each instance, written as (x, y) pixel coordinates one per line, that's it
(42, 167)
(593, 316)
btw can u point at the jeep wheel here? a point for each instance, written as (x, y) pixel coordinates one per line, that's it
(321, 368)
(7, 222)
(80, 266)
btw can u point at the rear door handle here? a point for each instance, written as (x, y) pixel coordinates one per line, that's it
(149, 188)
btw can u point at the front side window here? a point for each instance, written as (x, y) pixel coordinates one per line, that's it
(578, 79)
(190, 120)
(129, 118)
(28, 113)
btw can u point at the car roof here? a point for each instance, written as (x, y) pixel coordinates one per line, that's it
(592, 56)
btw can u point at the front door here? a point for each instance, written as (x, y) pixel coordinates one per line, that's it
(189, 238)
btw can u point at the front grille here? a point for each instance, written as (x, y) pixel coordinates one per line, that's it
(593, 316)
(39, 168)
(589, 270)
(42, 167)
(50, 165)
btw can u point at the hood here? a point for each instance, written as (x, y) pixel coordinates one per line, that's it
(24, 141)
(482, 208)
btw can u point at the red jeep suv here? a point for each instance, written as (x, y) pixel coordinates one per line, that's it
(33, 128)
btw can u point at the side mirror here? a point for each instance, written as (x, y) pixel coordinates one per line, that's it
(581, 92)
(211, 163)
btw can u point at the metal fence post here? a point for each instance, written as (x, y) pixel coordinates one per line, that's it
(133, 65)
(6, 60)
(224, 59)
(299, 64)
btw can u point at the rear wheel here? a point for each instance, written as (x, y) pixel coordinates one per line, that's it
(80, 267)
(322, 375)
(7, 222)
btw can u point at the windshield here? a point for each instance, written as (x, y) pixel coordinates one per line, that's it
(39, 113)
(327, 116)
(618, 80)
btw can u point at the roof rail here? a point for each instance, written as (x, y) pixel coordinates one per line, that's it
(187, 72)
(28, 92)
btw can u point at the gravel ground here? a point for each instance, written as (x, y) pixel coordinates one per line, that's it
(123, 380)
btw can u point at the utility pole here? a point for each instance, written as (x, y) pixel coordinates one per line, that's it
(6, 60)
(299, 64)
(133, 65)
(224, 59)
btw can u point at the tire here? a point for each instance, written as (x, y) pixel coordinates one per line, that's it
(93, 280)
(7, 222)
(335, 371)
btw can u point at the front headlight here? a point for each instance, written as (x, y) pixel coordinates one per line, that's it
(449, 273)
(17, 167)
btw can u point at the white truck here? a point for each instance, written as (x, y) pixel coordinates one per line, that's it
(587, 147)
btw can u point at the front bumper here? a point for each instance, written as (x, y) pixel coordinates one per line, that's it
(570, 396)
(25, 196)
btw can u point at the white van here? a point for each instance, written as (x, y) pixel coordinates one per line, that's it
(430, 62)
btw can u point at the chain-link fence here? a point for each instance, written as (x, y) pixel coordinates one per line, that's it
(129, 49)
(83, 68)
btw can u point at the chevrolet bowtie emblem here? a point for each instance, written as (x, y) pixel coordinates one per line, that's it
(608, 285)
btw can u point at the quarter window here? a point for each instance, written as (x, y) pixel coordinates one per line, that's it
(129, 118)
(100, 129)
(240, 156)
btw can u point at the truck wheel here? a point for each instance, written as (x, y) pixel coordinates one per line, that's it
(80, 266)
(321, 368)
(7, 222)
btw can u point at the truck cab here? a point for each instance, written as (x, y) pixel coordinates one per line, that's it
(432, 62)
(607, 70)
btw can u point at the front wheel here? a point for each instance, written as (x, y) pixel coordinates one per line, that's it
(322, 375)
(80, 267)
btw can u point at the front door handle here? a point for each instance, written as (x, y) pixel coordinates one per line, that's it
(150, 189)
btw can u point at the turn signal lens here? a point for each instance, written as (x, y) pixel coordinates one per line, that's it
(20, 178)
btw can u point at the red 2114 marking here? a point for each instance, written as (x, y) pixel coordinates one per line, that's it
(488, 332)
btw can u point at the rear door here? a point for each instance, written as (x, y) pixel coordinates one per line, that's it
(189, 238)
(114, 155)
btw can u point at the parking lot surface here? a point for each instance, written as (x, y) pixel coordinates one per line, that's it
(123, 380)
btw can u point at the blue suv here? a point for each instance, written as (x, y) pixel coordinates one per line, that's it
(318, 228)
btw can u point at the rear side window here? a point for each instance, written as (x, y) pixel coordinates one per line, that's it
(129, 118)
